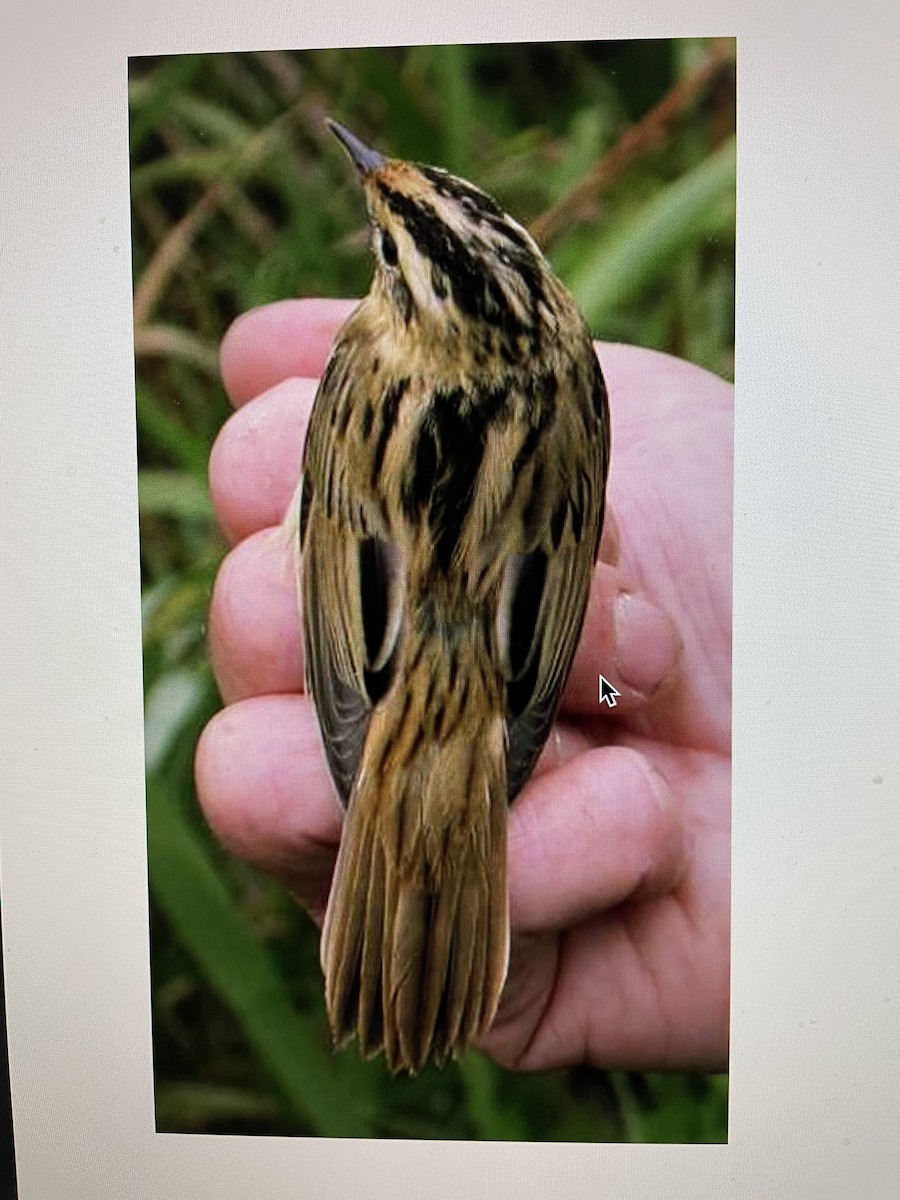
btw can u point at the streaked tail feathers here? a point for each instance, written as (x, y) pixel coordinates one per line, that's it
(416, 936)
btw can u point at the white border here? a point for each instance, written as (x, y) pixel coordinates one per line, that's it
(816, 1005)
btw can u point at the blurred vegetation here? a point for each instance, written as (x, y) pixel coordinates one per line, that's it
(621, 157)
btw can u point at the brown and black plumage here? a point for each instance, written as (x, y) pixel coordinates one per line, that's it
(450, 514)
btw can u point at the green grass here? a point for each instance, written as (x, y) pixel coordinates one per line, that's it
(240, 197)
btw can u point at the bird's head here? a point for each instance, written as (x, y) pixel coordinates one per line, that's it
(446, 252)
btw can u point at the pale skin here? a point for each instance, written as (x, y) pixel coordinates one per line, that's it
(619, 846)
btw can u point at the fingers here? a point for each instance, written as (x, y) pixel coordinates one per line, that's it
(264, 787)
(268, 345)
(629, 640)
(292, 338)
(575, 845)
(255, 637)
(603, 828)
(254, 469)
(255, 641)
(256, 459)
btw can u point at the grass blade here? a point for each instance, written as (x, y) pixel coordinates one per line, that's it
(149, 98)
(493, 1122)
(169, 341)
(452, 63)
(173, 494)
(181, 1106)
(171, 701)
(159, 427)
(209, 925)
(190, 166)
(684, 213)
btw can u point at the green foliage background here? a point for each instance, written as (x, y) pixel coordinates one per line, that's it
(239, 197)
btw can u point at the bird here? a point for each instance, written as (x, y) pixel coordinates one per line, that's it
(449, 515)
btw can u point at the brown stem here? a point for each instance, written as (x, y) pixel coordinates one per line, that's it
(177, 243)
(637, 140)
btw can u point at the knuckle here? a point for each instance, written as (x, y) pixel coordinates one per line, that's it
(655, 827)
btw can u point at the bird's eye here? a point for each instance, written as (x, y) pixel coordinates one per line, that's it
(388, 249)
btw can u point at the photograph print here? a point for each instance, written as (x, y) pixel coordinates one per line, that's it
(434, 351)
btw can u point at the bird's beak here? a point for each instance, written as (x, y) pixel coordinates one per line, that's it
(365, 159)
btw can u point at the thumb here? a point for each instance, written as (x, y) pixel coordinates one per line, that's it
(627, 638)
(604, 828)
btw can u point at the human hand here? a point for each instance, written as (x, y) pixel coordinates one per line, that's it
(619, 846)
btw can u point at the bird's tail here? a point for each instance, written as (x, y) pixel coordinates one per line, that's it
(415, 943)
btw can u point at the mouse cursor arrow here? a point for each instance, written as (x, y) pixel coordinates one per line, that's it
(607, 692)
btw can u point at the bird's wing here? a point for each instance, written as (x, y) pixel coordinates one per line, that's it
(546, 589)
(349, 575)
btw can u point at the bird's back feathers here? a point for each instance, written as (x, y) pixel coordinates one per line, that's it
(452, 503)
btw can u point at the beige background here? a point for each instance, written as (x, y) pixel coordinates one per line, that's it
(815, 1108)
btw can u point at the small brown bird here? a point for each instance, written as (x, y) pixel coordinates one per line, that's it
(451, 506)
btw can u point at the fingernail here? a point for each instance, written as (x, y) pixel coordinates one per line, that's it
(647, 643)
(610, 544)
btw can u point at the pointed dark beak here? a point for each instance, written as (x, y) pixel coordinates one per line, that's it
(365, 159)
